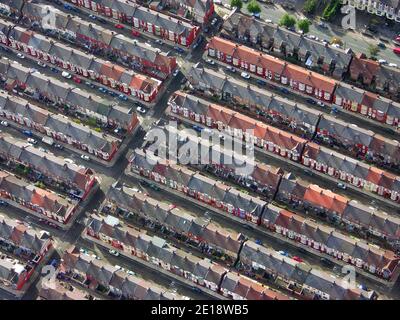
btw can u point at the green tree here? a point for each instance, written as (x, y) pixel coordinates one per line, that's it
(310, 6)
(237, 3)
(304, 25)
(331, 9)
(373, 51)
(287, 21)
(253, 7)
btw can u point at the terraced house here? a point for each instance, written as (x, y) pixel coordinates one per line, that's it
(35, 200)
(285, 43)
(338, 209)
(199, 231)
(197, 186)
(254, 101)
(234, 123)
(352, 171)
(156, 251)
(101, 41)
(40, 87)
(368, 104)
(54, 171)
(57, 126)
(304, 280)
(80, 63)
(383, 263)
(86, 269)
(30, 246)
(144, 19)
(198, 11)
(272, 68)
(387, 8)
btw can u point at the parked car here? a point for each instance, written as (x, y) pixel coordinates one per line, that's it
(382, 45)
(20, 55)
(261, 82)
(393, 65)
(311, 101)
(76, 79)
(245, 75)
(341, 186)
(197, 128)
(113, 252)
(396, 50)
(179, 50)
(31, 140)
(27, 133)
(209, 61)
(141, 110)
(69, 161)
(4, 123)
(59, 146)
(101, 20)
(66, 75)
(122, 97)
(298, 259)
(283, 253)
(85, 157)
(382, 61)
(3, 203)
(119, 26)
(176, 72)
(230, 69)
(321, 104)
(322, 24)
(41, 64)
(214, 21)
(92, 16)
(284, 90)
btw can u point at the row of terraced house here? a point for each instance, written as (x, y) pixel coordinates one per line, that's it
(354, 68)
(79, 63)
(98, 40)
(22, 250)
(285, 144)
(232, 201)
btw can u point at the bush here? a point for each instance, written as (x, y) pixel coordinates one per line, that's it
(253, 7)
(373, 51)
(304, 25)
(331, 9)
(336, 40)
(310, 6)
(237, 3)
(287, 20)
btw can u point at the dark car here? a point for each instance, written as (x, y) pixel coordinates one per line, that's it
(311, 101)
(284, 90)
(261, 82)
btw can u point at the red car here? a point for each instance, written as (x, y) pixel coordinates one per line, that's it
(396, 50)
(298, 259)
(119, 26)
(77, 80)
(135, 33)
